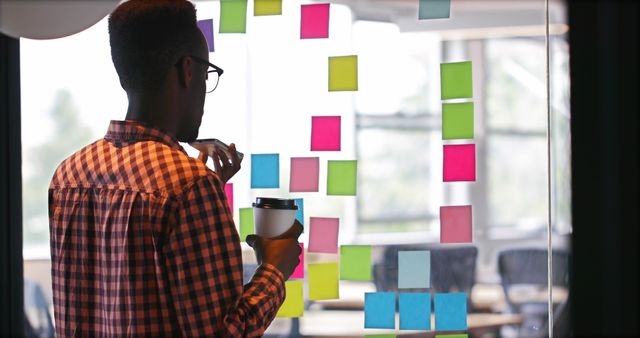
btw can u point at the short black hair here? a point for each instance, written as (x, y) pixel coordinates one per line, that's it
(148, 37)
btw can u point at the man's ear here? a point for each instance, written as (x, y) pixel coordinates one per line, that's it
(185, 71)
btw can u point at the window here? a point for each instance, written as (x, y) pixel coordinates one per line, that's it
(400, 146)
(398, 131)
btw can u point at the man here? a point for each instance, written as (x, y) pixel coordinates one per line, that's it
(142, 238)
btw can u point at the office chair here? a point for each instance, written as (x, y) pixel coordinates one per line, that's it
(38, 322)
(528, 268)
(453, 269)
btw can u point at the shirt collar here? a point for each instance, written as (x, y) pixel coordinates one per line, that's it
(130, 131)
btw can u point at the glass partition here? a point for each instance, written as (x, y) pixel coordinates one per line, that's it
(274, 82)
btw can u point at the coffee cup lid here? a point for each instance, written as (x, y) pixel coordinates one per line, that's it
(275, 203)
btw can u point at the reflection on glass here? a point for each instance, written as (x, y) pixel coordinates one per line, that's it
(396, 176)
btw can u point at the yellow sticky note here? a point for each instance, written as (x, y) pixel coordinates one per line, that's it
(293, 305)
(267, 7)
(323, 281)
(343, 73)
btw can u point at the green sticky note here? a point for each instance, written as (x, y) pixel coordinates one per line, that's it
(355, 262)
(342, 177)
(267, 7)
(246, 222)
(323, 281)
(233, 16)
(293, 305)
(457, 121)
(343, 73)
(455, 80)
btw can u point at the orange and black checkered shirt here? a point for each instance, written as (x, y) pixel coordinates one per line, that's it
(143, 244)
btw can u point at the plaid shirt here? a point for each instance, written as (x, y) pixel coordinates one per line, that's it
(143, 244)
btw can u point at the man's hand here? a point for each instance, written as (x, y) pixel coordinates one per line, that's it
(282, 252)
(224, 166)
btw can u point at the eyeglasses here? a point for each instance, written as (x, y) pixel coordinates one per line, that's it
(213, 75)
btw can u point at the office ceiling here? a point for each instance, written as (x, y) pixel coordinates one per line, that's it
(465, 14)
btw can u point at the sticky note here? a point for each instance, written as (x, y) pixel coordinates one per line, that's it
(304, 174)
(450, 311)
(355, 262)
(415, 310)
(265, 171)
(325, 133)
(342, 177)
(228, 191)
(314, 21)
(414, 269)
(293, 305)
(233, 16)
(455, 224)
(323, 281)
(434, 9)
(323, 234)
(380, 310)
(246, 222)
(300, 213)
(299, 271)
(457, 121)
(455, 80)
(343, 73)
(206, 26)
(267, 7)
(459, 163)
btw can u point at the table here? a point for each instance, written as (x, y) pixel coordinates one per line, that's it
(327, 323)
(484, 296)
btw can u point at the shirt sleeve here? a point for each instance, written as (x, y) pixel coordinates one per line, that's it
(204, 265)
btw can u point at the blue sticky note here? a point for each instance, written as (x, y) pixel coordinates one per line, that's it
(380, 310)
(415, 311)
(434, 9)
(450, 311)
(265, 171)
(414, 269)
(300, 213)
(206, 26)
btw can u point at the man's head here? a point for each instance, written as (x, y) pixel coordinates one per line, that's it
(151, 46)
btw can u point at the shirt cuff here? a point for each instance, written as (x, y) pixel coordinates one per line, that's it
(272, 269)
(268, 272)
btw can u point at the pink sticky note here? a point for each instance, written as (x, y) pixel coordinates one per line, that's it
(228, 190)
(459, 161)
(299, 271)
(323, 234)
(304, 174)
(314, 21)
(325, 133)
(455, 224)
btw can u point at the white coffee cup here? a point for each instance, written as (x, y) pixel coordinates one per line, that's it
(273, 216)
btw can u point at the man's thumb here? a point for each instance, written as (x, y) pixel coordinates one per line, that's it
(251, 240)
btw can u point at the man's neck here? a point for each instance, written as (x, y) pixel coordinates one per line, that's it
(154, 110)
